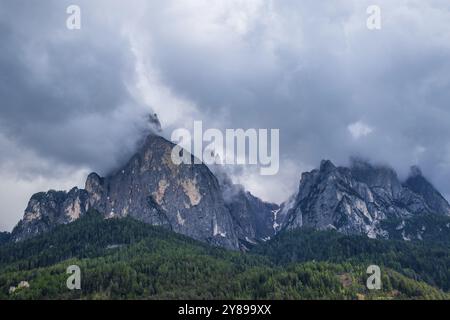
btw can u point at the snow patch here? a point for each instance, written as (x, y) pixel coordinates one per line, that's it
(180, 219)
(218, 232)
(275, 215)
(406, 238)
(250, 240)
(401, 225)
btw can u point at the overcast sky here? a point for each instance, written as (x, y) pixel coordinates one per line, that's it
(74, 101)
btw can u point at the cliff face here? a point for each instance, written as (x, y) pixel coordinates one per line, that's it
(357, 200)
(150, 188)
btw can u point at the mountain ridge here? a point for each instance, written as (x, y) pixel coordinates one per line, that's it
(357, 199)
(185, 198)
(192, 200)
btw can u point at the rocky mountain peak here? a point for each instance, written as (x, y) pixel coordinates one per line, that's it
(356, 200)
(185, 198)
(191, 200)
(150, 187)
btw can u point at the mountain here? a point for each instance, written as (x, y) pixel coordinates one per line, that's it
(364, 199)
(185, 198)
(190, 199)
(128, 259)
(154, 230)
(253, 218)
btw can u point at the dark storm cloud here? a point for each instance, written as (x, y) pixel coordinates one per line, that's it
(310, 68)
(64, 93)
(313, 69)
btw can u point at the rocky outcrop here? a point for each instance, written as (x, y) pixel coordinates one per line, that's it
(356, 200)
(46, 210)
